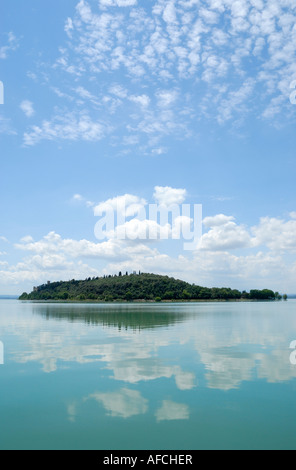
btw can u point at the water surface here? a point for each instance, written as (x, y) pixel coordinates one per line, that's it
(147, 376)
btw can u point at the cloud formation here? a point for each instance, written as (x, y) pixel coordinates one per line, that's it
(165, 66)
(229, 253)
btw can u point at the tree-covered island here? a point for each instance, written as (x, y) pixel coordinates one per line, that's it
(140, 287)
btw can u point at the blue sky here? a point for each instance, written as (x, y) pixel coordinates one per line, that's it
(112, 98)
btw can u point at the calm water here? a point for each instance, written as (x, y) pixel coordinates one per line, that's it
(174, 376)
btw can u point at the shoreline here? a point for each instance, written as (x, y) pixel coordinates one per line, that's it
(140, 301)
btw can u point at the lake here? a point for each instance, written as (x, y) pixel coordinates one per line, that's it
(183, 376)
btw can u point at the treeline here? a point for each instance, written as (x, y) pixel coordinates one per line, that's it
(132, 287)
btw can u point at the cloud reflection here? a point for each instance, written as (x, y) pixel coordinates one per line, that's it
(231, 343)
(123, 404)
(170, 411)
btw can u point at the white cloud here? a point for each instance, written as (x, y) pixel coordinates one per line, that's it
(168, 196)
(53, 245)
(12, 45)
(230, 253)
(278, 235)
(118, 90)
(132, 357)
(135, 229)
(142, 100)
(221, 60)
(77, 197)
(184, 40)
(166, 97)
(217, 220)
(169, 14)
(119, 3)
(27, 107)
(127, 205)
(71, 127)
(27, 239)
(69, 27)
(81, 199)
(236, 101)
(6, 126)
(228, 236)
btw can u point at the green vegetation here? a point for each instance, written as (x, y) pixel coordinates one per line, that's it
(144, 287)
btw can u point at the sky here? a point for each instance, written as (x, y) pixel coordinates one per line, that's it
(133, 103)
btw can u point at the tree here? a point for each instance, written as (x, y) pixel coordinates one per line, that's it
(168, 295)
(128, 296)
(24, 296)
(264, 294)
(186, 295)
(285, 297)
(245, 295)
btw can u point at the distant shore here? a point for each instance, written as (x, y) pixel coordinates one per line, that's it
(140, 301)
(143, 288)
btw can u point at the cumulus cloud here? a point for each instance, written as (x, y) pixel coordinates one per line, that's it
(277, 234)
(149, 222)
(229, 252)
(132, 357)
(168, 196)
(217, 220)
(228, 236)
(53, 244)
(127, 205)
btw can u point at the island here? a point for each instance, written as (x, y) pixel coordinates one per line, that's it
(142, 287)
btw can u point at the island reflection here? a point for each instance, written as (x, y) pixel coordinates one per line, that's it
(220, 346)
(121, 316)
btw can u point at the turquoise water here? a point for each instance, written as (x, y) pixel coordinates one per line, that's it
(151, 377)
